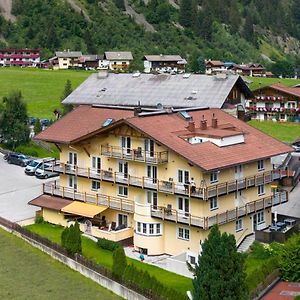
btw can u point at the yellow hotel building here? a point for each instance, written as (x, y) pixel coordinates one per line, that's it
(159, 181)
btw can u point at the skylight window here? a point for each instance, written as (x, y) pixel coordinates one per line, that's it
(185, 115)
(107, 122)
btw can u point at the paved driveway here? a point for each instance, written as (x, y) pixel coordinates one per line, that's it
(16, 189)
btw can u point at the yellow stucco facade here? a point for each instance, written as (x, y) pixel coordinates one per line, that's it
(161, 220)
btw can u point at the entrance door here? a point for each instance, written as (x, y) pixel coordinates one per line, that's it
(96, 164)
(152, 173)
(254, 221)
(149, 148)
(126, 144)
(123, 169)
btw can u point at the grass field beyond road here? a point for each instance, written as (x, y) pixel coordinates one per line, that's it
(285, 132)
(28, 273)
(41, 89)
(258, 82)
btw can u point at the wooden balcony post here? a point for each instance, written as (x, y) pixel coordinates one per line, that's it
(217, 190)
(63, 192)
(226, 214)
(121, 208)
(115, 177)
(236, 185)
(89, 173)
(190, 219)
(76, 170)
(64, 168)
(227, 188)
(254, 206)
(254, 180)
(73, 194)
(280, 198)
(128, 179)
(264, 177)
(176, 214)
(108, 201)
(97, 199)
(101, 175)
(157, 184)
(246, 209)
(122, 154)
(84, 197)
(143, 181)
(236, 213)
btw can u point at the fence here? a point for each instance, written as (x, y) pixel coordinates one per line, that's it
(132, 291)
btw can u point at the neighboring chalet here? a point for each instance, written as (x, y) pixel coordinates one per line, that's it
(214, 66)
(159, 181)
(66, 59)
(164, 63)
(161, 90)
(116, 61)
(255, 70)
(90, 61)
(19, 57)
(276, 101)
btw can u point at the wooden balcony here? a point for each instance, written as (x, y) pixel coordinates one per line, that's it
(169, 214)
(166, 186)
(138, 154)
(118, 203)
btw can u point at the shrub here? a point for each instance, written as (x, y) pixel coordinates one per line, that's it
(119, 263)
(39, 220)
(107, 244)
(259, 251)
(71, 239)
(27, 150)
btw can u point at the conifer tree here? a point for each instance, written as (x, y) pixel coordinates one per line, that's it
(119, 263)
(186, 13)
(219, 273)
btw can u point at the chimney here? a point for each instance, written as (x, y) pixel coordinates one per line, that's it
(214, 122)
(191, 126)
(203, 124)
(137, 111)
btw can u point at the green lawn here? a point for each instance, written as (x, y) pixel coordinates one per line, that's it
(41, 89)
(258, 82)
(285, 132)
(104, 257)
(28, 273)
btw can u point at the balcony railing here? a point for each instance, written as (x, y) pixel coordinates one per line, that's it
(117, 203)
(167, 213)
(167, 186)
(138, 154)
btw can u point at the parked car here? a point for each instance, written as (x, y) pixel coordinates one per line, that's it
(35, 164)
(44, 122)
(18, 159)
(43, 171)
(296, 147)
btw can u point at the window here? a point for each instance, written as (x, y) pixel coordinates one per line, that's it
(152, 199)
(96, 164)
(214, 177)
(72, 182)
(239, 225)
(95, 185)
(122, 220)
(183, 204)
(72, 158)
(122, 191)
(126, 144)
(183, 176)
(148, 228)
(213, 203)
(144, 228)
(192, 260)
(282, 116)
(260, 217)
(281, 104)
(183, 233)
(260, 165)
(260, 189)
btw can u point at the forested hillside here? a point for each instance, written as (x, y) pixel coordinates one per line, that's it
(237, 30)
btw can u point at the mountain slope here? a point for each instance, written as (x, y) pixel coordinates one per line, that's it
(238, 30)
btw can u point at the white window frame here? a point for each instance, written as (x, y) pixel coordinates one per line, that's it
(239, 225)
(213, 203)
(95, 185)
(214, 177)
(182, 175)
(183, 233)
(152, 198)
(148, 229)
(260, 165)
(121, 191)
(124, 221)
(94, 163)
(260, 217)
(72, 182)
(261, 189)
(182, 202)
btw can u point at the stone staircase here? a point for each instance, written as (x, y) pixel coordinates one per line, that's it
(246, 243)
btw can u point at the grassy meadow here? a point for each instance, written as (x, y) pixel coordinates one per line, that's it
(41, 89)
(28, 273)
(258, 82)
(285, 132)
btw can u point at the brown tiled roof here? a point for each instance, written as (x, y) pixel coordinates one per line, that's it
(215, 63)
(207, 155)
(51, 202)
(164, 128)
(294, 91)
(283, 291)
(81, 122)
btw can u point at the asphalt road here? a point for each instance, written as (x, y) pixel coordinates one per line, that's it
(16, 189)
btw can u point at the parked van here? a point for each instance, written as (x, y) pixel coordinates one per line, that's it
(43, 171)
(35, 164)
